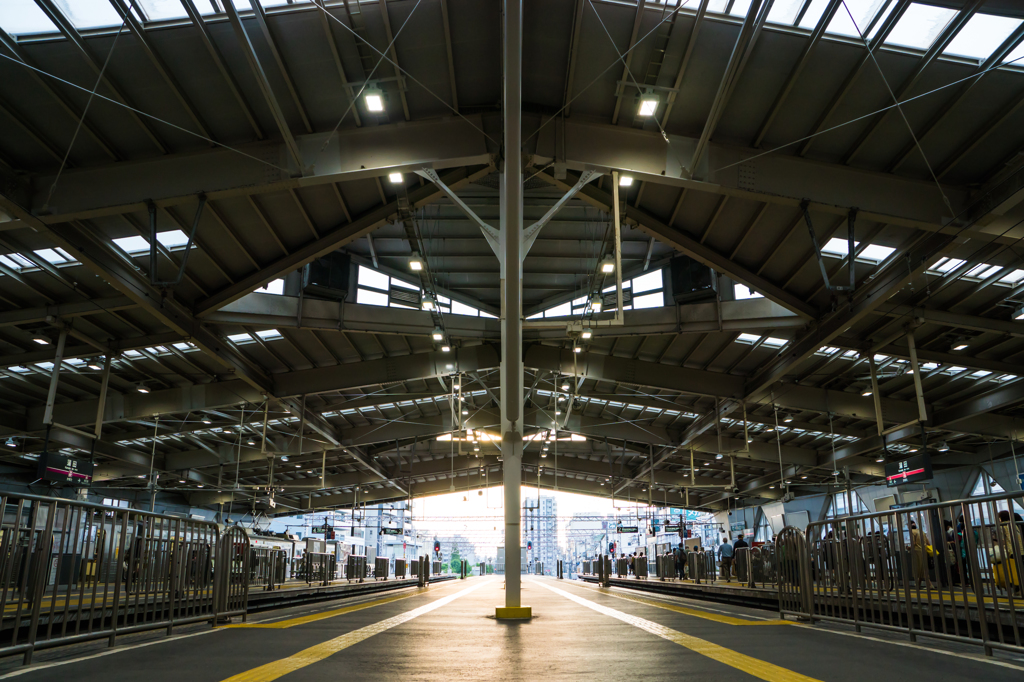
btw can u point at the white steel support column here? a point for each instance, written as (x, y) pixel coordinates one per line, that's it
(511, 309)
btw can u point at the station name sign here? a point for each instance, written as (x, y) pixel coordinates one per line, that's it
(626, 529)
(59, 468)
(911, 470)
(391, 531)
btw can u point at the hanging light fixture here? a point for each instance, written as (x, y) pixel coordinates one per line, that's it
(373, 98)
(395, 178)
(607, 265)
(141, 388)
(415, 262)
(596, 304)
(625, 181)
(587, 333)
(427, 302)
(438, 334)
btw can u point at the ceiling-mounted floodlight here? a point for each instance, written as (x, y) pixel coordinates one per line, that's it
(1018, 312)
(445, 348)
(427, 301)
(943, 446)
(587, 333)
(607, 265)
(596, 304)
(141, 388)
(438, 335)
(648, 104)
(625, 181)
(415, 262)
(788, 418)
(373, 98)
(395, 178)
(565, 387)
(11, 443)
(94, 365)
(41, 341)
(577, 349)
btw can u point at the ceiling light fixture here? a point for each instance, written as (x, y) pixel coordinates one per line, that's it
(1018, 312)
(437, 334)
(577, 349)
(395, 178)
(596, 304)
(94, 365)
(415, 262)
(587, 333)
(427, 302)
(607, 265)
(625, 181)
(373, 98)
(866, 393)
(648, 104)
(565, 387)
(41, 341)
(943, 446)
(11, 443)
(960, 346)
(141, 388)
(446, 348)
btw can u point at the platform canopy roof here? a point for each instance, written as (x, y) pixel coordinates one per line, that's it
(726, 119)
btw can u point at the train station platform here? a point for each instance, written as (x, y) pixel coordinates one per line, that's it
(578, 631)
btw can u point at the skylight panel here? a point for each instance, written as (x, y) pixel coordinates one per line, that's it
(875, 252)
(23, 17)
(269, 334)
(944, 265)
(1016, 57)
(863, 12)
(983, 271)
(785, 11)
(748, 338)
(1013, 277)
(837, 247)
(238, 338)
(774, 342)
(980, 37)
(160, 10)
(50, 256)
(740, 8)
(920, 25)
(813, 14)
(85, 14)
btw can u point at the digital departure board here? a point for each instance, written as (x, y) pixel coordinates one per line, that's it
(53, 466)
(911, 470)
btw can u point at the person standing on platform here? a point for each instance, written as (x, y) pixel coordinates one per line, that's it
(679, 554)
(919, 556)
(725, 554)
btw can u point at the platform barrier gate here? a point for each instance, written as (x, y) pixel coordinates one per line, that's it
(948, 570)
(73, 571)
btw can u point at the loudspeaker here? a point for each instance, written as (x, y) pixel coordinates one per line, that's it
(691, 280)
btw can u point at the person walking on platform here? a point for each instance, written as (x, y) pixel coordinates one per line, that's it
(679, 554)
(725, 554)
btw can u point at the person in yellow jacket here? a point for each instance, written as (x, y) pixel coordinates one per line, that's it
(1006, 553)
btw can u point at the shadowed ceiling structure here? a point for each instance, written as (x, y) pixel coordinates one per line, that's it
(749, 137)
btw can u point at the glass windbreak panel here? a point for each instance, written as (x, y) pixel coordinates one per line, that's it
(160, 10)
(785, 11)
(813, 14)
(559, 311)
(656, 300)
(920, 25)
(862, 11)
(718, 6)
(367, 297)
(980, 37)
(84, 14)
(742, 292)
(23, 17)
(462, 309)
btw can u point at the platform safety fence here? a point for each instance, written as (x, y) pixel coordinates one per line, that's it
(73, 571)
(947, 570)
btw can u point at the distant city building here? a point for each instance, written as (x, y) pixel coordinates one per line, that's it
(540, 531)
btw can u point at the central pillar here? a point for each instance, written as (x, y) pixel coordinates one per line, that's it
(512, 310)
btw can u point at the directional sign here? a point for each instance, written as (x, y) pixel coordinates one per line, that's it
(391, 531)
(671, 529)
(627, 529)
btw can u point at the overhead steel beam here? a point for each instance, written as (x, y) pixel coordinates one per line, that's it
(686, 244)
(225, 72)
(998, 399)
(72, 35)
(757, 13)
(637, 19)
(331, 241)
(399, 77)
(325, 23)
(957, 320)
(249, 50)
(492, 235)
(451, 59)
(691, 43)
(18, 52)
(794, 74)
(574, 47)
(938, 47)
(158, 63)
(65, 310)
(531, 232)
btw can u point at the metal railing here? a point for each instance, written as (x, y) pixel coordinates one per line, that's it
(73, 571)
(947, 570)
(268, 567)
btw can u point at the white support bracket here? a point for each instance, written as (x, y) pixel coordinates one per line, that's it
(530, 233)
(491, 234)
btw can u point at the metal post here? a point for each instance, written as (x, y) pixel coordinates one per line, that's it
(922, 409)
(51, 397)
(105, 382)
(511, 309)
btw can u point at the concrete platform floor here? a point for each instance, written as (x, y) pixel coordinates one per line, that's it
(448, 631)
